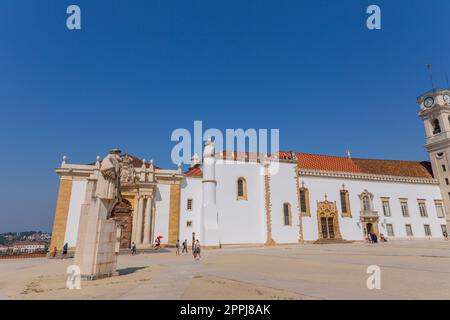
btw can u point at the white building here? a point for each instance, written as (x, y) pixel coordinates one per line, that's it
(29, 246)
(236, 198)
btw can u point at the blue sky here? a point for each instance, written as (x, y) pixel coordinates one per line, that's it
(140, 69)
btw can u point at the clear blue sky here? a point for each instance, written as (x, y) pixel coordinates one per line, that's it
(140, 69)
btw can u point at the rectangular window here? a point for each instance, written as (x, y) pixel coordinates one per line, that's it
(444, 230)
(444, 168)
(423, 209)
(189, 204)
(427, 230)
(343, 202)
(409, 231)
(303, 207)
(447, 182)
(189, 224)
(405, 210)
(440, 209)
(390, 230)
(287, 214)
(386, 207)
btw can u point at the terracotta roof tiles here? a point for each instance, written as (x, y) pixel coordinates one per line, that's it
(194, 172)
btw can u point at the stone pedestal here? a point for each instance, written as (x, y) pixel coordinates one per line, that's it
(97, 245)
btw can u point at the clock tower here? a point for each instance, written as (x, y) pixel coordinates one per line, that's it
(435, 113)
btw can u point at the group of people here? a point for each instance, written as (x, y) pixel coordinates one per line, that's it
(196, 250)
(373, 238)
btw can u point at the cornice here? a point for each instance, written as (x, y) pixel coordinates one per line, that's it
(366, 176)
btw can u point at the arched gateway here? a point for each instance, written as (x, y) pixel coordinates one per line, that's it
(123, 214)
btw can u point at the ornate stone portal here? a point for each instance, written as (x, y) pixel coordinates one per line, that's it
(328, 220)
(123, 214)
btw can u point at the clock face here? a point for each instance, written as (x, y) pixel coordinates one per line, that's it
(428, 102)
(447, 98)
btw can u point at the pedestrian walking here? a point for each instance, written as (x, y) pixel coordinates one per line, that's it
(133, 249)
(177, 246)
(185, 246)
(197, 250)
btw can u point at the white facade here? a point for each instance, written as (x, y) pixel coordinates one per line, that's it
(242, 221)
(226, 200)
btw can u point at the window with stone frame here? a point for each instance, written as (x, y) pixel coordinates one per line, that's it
(366, 202)
(304, 201)
(390, 230)
(404, 206)
(422, 208)
(427, 230)
(345, 203)
(409, 231)
(386, 207)
(439, 208)
(241, 189)
(287, 216)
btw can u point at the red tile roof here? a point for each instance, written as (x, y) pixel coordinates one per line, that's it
(326, 163)
(194, 172)
(399, 168)
(413, 169)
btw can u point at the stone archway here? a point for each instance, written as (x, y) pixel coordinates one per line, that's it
(123, 214)
(328, 221)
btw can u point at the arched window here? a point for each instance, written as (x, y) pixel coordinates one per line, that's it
(366, 199)
(241, 189)
(366, 203)
(287, 214)
(436, 126)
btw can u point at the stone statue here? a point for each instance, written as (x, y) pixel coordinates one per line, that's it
(98, 239)
(108, 183)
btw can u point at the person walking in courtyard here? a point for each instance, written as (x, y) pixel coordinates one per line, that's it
(185, 246)
(177, 246)
(55, 252)
(197, 249)
(133, 249)
(65, 248)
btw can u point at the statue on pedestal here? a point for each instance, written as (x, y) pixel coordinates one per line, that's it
(98, 235)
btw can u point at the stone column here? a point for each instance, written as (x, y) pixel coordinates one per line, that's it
(135, 218)
(139, 221)
(147, 221)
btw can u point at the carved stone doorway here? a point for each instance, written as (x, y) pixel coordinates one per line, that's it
(123, 214)
(328, 221)
(370, 225)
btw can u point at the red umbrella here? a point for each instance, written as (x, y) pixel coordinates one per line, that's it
(159, 237)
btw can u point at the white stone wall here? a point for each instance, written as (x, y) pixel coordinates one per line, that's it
(191, 188)
(283, 188)
(162, 205)
(240, 221)
(73, 218)
(350, 230)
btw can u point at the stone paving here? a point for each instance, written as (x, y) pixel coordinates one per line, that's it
(409, 270)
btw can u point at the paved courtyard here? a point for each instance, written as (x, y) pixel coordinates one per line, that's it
(409, 270)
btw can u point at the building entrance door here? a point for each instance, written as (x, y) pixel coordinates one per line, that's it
(327, 225)
(327, 216)
(123, 214)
